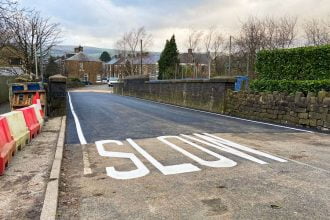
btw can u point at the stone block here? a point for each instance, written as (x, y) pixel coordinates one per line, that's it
(313, 122)
(314, 115)
(319, 122)
(321, 95)
(303, 115)
(326, 101)
(303, 121)
(300, 110)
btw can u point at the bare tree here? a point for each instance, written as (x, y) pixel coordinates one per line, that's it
(208, 40)
(286, 32)
(213, 41)
(129, 46)
(194, 40)
(317, 32)
(32, 33)
(7, 8)
(267, 33)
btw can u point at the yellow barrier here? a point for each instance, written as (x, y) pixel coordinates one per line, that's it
(18, 128)
(38, 114)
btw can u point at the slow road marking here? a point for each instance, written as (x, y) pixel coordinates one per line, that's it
(205, 138)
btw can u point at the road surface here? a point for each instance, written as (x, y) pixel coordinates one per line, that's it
(128, 158)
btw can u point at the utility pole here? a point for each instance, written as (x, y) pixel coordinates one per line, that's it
(247, 64)
(230, 55)
(209, 56)
(141, 59)
(36, 60)
(41, 65)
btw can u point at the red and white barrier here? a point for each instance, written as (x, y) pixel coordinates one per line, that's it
(7, 145)
(18, 128)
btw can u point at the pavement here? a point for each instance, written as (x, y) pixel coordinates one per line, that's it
(127, 158)
(22, 187)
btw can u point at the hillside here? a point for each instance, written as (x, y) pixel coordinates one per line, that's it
(94, 52)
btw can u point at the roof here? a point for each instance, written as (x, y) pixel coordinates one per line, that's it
(113, 61)
(200, 58)
(151, 59)
(82, 57)
(11, 71)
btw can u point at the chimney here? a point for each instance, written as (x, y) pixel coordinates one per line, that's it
(190, 51)
(78, 49)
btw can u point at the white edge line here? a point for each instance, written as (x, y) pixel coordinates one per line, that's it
(225, 116)
(83, 142)
(76, 120)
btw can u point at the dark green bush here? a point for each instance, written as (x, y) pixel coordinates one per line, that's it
(290, 86)
(304, 63)
(74, 79)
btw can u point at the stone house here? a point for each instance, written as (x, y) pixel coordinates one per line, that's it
(11, 61)
(122, 67)
(83, 67)
(193, 65)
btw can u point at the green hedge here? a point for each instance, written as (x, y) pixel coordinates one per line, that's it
(290, 85)
(304, 63)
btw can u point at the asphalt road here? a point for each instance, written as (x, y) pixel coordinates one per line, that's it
(109, 116)
(148, 168)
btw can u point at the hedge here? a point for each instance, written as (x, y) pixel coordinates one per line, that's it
(290, 86)
(304, 63)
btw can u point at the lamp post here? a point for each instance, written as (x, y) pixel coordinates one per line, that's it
(230, 55)
(141, 58)
(36, 60)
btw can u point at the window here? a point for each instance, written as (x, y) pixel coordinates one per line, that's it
(81, 66)
(85, 79)
(15, 61)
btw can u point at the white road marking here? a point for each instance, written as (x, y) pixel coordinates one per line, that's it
(215, 139)
(83, 142)
(76, 120)
(226, 149)
(141, 170)
(87, 166)
(227, 116)
(166, 170)
(222, 162)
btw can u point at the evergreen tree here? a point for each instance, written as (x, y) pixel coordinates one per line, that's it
(52, 68)
(105, 56)
(169, 59)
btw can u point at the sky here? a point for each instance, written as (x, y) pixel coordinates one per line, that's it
(100, 23)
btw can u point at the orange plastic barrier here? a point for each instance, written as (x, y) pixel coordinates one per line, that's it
(7, 145)
(31, 120)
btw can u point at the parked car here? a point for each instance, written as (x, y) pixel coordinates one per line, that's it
(112, 81)
(105, 80)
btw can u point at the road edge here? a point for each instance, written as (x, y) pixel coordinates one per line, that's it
(49, 207)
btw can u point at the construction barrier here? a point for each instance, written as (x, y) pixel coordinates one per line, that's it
(18, 128)
(38, 114)
(7, 145)
(31, 120)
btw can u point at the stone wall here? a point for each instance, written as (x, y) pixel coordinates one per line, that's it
(297, 109)
(206, 95)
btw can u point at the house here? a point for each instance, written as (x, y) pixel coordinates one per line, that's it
(131, 65)
(83, 67)
(194, 65)
(11, 61)
(110, 68)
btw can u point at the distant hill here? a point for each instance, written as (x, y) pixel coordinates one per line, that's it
(94, 52)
